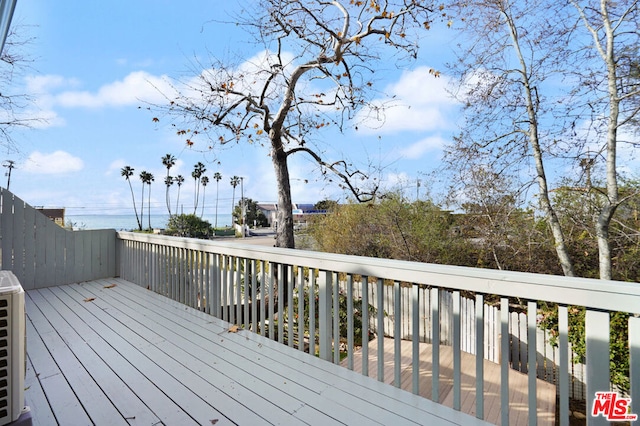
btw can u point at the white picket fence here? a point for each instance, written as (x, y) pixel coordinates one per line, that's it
(547, 355)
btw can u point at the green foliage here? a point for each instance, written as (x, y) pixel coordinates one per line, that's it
(252, 213)
(188, 225)
(619, 342)
(391, 228)
(326, 205)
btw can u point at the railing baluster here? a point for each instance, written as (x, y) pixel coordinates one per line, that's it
(300, 320)
(457, 352)
(532, 312)
(365, 324)
(324, 325)
(272, 292)
(217, 285)
(380, 328)
(312, 310)
(336, 318)
(290, 306)
(280, 280)
(504, 360)
(397, 354)
(435, 344)
(415, 339)
(254, 296)
(224, 272)
(247, 289)
(563, 368)
(264, 294)
(231, 306)
(350, 344)
(479, 356)
(597, 359)
(238, 296)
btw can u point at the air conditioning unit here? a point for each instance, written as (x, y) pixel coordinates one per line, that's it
(12, 348)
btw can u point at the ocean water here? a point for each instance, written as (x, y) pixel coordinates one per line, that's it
(128, 222)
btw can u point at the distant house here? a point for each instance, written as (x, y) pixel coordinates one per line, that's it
(56, 215)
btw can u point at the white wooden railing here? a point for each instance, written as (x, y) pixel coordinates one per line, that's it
(213, 276)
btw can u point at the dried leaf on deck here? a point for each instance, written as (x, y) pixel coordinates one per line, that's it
(214, 421)
(89, 299)
(233, 329)
(110, 286)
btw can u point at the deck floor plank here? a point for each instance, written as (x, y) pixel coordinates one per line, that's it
(341, 384)
(364, 388)
(141, 352)
(218, 363)
(114, 389)
(298, 389)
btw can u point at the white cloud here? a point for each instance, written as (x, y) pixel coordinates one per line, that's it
(57, 162)
(419, 101)
(418, 149)
(134, 88)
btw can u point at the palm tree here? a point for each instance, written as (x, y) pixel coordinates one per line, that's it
(168, 181)
(235, 181)
(179, 180)
(148, 178)
(168, 161)
(127, 172)
(143, 179)
(217, 176)
(204, 180)
(198, 171)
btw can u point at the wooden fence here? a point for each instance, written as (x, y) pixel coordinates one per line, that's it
(42, 254)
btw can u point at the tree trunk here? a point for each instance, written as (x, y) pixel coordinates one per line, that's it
(284, 236)
(545, 202)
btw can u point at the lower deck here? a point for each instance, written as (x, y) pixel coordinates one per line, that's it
(111, 352)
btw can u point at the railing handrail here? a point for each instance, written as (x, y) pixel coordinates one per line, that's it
(591, 293)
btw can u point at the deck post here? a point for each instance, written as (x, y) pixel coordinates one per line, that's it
(597, 359)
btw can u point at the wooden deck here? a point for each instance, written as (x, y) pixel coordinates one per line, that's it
(518, 382)
(109, 352)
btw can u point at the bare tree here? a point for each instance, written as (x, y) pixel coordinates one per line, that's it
(317, 70)
(520, 118)
(609, 92)
(502, 72)
(16, 107)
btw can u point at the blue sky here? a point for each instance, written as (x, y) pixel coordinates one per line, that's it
(95, 64)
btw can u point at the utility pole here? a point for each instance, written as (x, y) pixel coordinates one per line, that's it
(242, 208)
(417, 189)
(10, 164)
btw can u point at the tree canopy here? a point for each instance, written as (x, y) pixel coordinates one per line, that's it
(317, 69)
